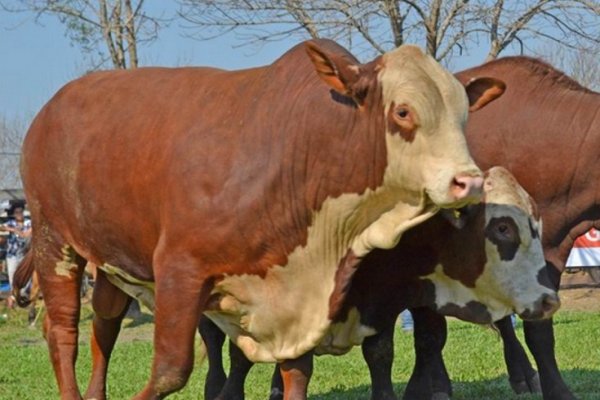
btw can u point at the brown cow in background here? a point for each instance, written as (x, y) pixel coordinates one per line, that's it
(546, 131)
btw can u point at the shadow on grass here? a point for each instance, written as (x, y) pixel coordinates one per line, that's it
(584, 384)
(141, 319)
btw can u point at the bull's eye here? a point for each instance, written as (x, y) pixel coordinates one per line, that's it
(402, 112)
(403, 120)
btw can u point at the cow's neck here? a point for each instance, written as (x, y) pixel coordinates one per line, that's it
(563, 127)
(578, 207)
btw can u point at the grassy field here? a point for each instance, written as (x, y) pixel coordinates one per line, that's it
(473, 356)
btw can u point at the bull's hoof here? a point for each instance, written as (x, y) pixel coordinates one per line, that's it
(519, 387)
(384, 396)
(560, 393)
(440, 396)
(531, 385)
(534, 383)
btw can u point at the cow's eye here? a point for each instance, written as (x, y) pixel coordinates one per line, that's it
(505, 231)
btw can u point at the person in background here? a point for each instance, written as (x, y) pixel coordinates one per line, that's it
(2, 252)
(19, 232)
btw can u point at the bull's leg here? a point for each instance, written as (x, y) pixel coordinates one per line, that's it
(59, 271)
(181, 293)
(110, 305)
(213, 339)
(240, 366)
(521, 375)
(276, 385)
(296, 376)
(429, 379)
(539, 336)
(378, 351)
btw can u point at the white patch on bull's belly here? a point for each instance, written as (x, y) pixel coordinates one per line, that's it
(67, 264)
(136, 288)
(285, 314)
(342, 336)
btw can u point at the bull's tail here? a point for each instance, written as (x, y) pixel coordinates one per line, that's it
(21, 279)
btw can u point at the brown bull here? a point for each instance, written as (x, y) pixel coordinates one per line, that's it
(237, 193)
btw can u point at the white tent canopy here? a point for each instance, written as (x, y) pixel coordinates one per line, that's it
(585, 251)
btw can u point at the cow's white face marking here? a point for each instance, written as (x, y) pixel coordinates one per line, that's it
(438, 152)
(514, 281)
(505, 286)
(509, 282)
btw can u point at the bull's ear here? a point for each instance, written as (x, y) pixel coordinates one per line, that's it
(482, 91)
(337, 71)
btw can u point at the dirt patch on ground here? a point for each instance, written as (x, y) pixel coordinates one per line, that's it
(580, 290)
(580, 299)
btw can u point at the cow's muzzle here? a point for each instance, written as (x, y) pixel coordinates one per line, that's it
(543, 308)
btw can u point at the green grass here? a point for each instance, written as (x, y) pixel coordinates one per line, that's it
(473, 356)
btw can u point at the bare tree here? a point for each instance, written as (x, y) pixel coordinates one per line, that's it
(568, 23)
(11, 138)
(104, 29)
(582, 65)
(366, 26)
(444, 27)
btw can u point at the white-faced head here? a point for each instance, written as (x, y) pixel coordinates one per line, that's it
(422, 110)
(493, 264)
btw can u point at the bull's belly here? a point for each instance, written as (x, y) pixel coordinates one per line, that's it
(285, 313)
(136, 288)
(339, 337)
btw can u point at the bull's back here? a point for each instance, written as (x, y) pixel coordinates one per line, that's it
(100, 159)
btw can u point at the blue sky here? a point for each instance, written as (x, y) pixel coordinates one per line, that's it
(36, 60)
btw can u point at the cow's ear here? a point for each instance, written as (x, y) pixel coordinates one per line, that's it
(337, 71)
(482, 91)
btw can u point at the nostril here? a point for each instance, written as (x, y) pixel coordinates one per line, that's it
(550, 303)
(458, 184)
(466, 187)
